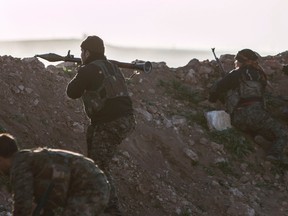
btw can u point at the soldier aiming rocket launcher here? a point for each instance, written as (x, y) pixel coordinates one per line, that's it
(144, 66)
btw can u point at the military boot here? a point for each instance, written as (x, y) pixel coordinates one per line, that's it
(275, 153)
(280, 159)
(261, 141)
(112, 211)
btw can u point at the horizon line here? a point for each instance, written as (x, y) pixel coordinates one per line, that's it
(110, 45)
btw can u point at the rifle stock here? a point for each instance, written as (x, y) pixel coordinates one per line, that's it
(145, 66)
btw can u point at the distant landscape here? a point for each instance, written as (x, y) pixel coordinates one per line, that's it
(172, 164)
(172, 57)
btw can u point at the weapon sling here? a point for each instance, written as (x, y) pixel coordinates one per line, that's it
(43, 200)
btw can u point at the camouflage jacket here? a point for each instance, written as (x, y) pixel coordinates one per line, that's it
(33, 170)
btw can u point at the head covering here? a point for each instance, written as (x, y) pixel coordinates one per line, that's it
(94, 44)
(246, 55)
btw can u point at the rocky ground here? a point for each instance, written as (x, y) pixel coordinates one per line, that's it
(172, 164)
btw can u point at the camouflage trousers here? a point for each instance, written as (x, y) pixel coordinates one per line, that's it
(102, 143)
(255, 120)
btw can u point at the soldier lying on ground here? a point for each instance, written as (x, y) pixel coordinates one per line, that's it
(70, 183)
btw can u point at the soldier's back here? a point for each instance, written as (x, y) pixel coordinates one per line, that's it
(75, 178)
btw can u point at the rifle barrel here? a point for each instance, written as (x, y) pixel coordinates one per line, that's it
(223, 72)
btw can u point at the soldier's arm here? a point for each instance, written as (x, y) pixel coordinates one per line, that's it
(77, 85)
(22, 186)
(87, 78)
(228, 82)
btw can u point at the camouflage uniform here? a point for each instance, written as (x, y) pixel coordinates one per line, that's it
(242, 92)
(103, 140)
(79, 186)
(260, 122)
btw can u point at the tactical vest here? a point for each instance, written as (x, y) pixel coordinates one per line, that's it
(249, 88)
(113, 86)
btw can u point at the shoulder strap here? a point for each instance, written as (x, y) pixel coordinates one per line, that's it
(42, 202)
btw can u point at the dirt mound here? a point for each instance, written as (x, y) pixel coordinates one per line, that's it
(171, 164)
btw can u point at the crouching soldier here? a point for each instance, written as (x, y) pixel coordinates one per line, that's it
(59, 182)
(243, 89)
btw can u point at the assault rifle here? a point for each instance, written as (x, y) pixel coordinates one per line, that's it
(218, 62)
(145, 66)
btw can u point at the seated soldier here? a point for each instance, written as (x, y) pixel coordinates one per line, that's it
(59, 182)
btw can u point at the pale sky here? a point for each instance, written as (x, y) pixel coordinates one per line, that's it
(182, 24)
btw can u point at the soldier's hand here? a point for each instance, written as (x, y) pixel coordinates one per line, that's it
(285, 69)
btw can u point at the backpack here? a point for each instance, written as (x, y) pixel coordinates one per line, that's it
(251, 85)
(113, 86)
